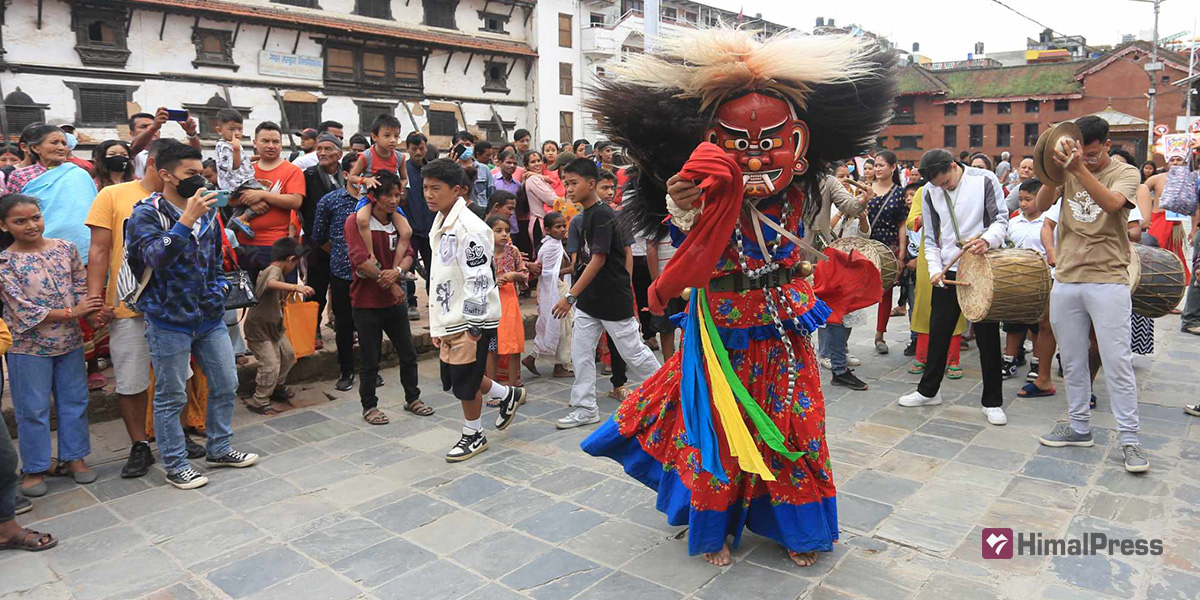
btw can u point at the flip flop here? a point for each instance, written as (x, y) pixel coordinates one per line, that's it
(96, 381)
(1031, 390)
(40, 541)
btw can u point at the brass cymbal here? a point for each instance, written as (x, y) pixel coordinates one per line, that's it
(1044, 166)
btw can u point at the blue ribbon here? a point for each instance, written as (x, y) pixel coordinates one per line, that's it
(694, 399)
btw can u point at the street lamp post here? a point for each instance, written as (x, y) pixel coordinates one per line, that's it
(1152, 70)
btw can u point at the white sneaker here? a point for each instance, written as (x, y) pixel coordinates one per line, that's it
(852, 360)
(995, 415)
(916, 399)
(578, 418)
(825, 363)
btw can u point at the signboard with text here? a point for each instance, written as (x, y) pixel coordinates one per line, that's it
(294, 66)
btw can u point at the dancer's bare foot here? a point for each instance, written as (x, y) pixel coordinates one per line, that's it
(721, 559)
(803, 559)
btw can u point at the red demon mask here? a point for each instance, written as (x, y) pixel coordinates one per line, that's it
(761, 132)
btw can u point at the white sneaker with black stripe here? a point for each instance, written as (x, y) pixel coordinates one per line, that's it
(233, 458)
(187, 479)
(508, 407)
(471, 443)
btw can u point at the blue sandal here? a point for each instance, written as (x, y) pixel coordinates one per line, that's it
(1031, 390)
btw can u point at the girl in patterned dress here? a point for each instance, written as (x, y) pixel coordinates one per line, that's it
(44, 288)
(510, 271)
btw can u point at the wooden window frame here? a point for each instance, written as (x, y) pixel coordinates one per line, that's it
(360, 6)
(566, 76)
(976, 107)
(950, 110)
(359, 82)
(92, 54)
(1033, 107)
(452, 5)
(78, 88)
(501, 19)
(431, 123)
(569, 40)
(499, 85)
(972, 142)
(1031, 141)
(1064, 103)
(1004, 108)
(1003, 135)
(566, 125)
(950, 135)
(205, 58)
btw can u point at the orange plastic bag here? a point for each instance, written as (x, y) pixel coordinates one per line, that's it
(300, 324)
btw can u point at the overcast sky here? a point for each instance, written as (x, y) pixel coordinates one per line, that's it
(952, 30)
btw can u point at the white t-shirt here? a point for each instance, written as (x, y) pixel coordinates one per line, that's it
(308, 159)
(1025, 233)
(665, 251)
(139, 164)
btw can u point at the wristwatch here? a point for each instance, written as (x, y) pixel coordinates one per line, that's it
(571, 298)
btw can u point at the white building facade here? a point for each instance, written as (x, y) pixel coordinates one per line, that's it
(577, 39)
(437, 65)
(488, 66)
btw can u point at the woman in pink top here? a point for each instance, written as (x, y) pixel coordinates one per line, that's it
(536, 197)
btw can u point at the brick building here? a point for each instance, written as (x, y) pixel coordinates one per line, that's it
(993, 109)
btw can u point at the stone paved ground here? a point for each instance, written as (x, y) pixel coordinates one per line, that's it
(340, 510)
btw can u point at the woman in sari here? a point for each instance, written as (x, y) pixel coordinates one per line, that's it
(65, 193)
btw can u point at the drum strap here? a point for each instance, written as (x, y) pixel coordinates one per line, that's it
(760, 219)
(953, 218)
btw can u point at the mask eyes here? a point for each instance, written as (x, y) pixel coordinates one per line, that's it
(741, 145)
(712, 137)
(766, 144)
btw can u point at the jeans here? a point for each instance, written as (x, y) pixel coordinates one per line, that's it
(1076, 308)
(343, 323)
(1191, 308)
(170, 352)
(835, 339)
(8, 476)
(34, 379)
(624, 334)
(372, 323)
(944, 312)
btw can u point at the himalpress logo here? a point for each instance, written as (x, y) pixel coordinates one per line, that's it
(1001, 543)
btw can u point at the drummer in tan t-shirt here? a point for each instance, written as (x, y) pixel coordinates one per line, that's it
(1092, 285)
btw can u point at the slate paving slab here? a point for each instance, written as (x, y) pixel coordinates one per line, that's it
(340, 511)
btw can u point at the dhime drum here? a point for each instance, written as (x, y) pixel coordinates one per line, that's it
(1010, 285)
(1156, 281)
(879, 254)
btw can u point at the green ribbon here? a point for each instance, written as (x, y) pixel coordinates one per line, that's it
(766, 428)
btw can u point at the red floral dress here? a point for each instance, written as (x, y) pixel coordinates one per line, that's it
(647, 433)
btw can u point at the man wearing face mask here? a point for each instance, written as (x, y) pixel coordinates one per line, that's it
(127, 328)
(175, 257)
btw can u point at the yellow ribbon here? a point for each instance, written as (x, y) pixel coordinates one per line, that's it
(741, 443)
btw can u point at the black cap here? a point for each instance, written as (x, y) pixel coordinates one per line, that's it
(307, 133)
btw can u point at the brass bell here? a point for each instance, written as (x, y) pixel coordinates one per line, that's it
(804, 268)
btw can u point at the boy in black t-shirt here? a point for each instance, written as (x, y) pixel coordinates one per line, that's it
(602, 296)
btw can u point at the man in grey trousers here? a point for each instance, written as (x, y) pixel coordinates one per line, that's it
(1091, 288)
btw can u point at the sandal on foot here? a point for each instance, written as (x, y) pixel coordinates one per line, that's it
(283, 394)
(32, 541)
(266, 411)
(564, 374)
(619, 393)
(375, 417)
(954, 372)
(1031, 390)
(419, 408)
(96, 381)
(807, 558)
(916, 368)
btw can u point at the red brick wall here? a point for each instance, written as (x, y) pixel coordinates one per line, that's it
(1121, 84)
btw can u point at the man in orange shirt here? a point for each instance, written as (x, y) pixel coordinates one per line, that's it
(284, 193)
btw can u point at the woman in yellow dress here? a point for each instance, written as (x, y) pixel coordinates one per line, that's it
(920, 317)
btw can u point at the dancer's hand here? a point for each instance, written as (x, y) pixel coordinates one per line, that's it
(683, 192)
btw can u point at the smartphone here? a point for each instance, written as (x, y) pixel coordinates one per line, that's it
(222, 198)
(177, 114)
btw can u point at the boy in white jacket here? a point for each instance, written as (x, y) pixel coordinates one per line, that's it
(464, 305)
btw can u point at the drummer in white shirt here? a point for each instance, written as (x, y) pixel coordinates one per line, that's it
(1024, 231)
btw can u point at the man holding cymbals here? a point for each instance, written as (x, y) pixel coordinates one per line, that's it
(1092, 282)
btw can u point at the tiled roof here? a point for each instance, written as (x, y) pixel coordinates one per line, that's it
(916, 80)
(1036, 81)
(280, 16)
